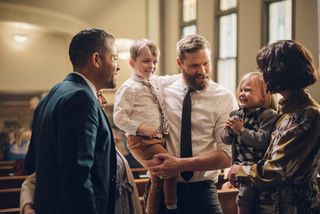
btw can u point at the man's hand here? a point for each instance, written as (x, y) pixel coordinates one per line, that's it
(169, 167)
(28, 209)
(150, 163)
(232, 174)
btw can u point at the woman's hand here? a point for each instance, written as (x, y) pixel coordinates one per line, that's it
(233, 171)
(28, 209)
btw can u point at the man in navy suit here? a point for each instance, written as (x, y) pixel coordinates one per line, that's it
(72, 148)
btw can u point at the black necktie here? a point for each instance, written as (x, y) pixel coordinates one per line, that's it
(186, 141)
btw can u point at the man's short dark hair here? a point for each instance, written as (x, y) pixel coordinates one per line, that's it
(286, 64)
(85, 43)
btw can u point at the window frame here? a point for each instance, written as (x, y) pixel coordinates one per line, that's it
(265, 20)
(184, 24)
(219, 13)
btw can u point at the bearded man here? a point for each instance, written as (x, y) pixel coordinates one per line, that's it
(198, 109)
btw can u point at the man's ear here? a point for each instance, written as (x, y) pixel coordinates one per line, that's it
(131, 62)
(180, 63)
(96, 59)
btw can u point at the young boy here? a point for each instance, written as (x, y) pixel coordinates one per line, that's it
(138, 110)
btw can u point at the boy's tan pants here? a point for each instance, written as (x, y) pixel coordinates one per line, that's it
(144, 148)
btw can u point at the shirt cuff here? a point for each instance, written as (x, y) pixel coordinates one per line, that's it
(134, 128)
(225, 148)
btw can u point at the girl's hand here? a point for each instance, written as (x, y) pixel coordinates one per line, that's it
(236, 124)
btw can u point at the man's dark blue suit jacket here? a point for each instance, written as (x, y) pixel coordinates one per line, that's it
(72, 151)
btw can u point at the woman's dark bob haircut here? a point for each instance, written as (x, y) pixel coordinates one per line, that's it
(286, 64)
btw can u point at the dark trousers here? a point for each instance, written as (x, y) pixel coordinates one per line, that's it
(195, 197)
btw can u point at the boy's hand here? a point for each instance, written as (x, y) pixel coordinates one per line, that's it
(148, 130)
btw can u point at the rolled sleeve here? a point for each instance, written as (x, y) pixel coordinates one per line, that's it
(220, 131)
(224, 147)
(27, 191)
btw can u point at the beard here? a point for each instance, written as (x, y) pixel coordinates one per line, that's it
(195, 83)
(112, 84)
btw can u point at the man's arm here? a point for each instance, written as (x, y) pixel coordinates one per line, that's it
(27, 195)
(165, 81)
(172, 166)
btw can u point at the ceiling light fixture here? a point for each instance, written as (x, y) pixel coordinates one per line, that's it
(20, 38)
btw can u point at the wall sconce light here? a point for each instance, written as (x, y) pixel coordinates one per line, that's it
(20, 38)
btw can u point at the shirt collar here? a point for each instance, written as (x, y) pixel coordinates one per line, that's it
(298, 100)
(253, 113)
(139, 79)
(90, 84)
(184, 86)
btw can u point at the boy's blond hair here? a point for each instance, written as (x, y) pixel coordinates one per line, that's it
(257, 81)
(138, 45)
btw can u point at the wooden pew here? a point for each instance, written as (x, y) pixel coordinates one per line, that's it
(139, 173)
(227, 197)
(6, 170)
(227, 200)
(6, 163)
(10, 210)
(141, 185)
(9, 198)
(11, 181)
